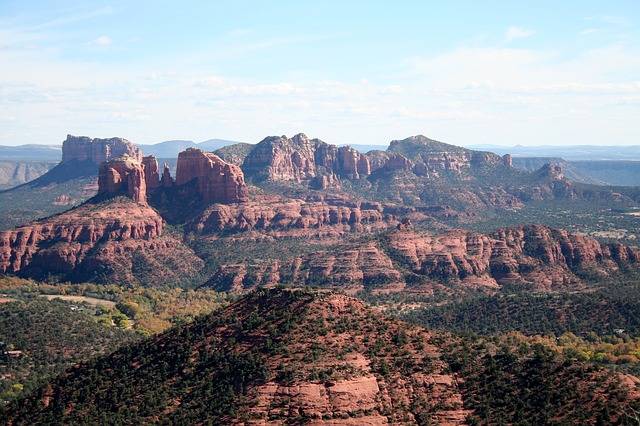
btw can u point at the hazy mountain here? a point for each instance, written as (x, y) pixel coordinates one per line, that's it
(598, 172)
(568, 152)
(31, 152)
(17, 172)
(170, 149)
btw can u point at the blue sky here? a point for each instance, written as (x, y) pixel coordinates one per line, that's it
(359, 72)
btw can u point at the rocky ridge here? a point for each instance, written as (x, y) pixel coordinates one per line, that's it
(94, 241)
(531, 257)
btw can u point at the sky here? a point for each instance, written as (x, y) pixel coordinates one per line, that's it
(358, 72)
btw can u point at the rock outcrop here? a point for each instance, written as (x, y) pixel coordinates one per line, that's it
(533, 256)
(123, 175)
(60, 243)
(216, 181)
(300, 159)
(166, 181)
(279, 217)
(351, 269)
(98, 242)
(151, 172)
(83, 148)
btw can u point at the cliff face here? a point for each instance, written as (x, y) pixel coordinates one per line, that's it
(351, 269)
(531, 257)
(98, 242)
(151, 172)
(60, 243)
(83, 148)
(216, 180)
(301, 159)
(123, 175)
(293, 217)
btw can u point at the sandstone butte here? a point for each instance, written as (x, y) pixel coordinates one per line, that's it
(300, 158)
(535, 257)
(83, 148)
(102, 231)
(216, 180)
(123, 175)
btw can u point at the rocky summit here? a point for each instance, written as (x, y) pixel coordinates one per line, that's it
(95, 150)
(216, 180)
(123, 175)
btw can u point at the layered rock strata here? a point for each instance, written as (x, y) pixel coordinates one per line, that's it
(123, 175)
(216, 181)
(532, 257)
(83, 148)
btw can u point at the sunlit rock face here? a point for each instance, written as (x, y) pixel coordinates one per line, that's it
(83, 148)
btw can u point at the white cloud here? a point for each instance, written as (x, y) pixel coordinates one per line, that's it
(514, 33)
(465, 95)
(588, 31)
(103, 41)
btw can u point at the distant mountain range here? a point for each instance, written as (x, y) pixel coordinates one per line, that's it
(568, 152)
(166, 149)
(31, 152)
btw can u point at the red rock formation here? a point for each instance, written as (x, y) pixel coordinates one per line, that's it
(351, 269)
(301, 159)
(103, 243)
(123, 175)
(532, 255)
(279, 217)
(151, 172)
(167, 180)
(216, 180)
(82, 148)
(61, 242)
(507, 160)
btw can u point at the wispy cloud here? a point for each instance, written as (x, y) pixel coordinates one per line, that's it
(588, 31)
(514, 33)
(102, 41)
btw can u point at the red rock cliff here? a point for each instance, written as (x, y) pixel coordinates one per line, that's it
(60, 243)
(123, 175)
(534, 255)
(301, 159)
(83, 148)
(151, 172)
(216, 180)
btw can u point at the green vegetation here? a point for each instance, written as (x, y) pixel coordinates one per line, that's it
(146, 310)
(508, 380)
(45, 337)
